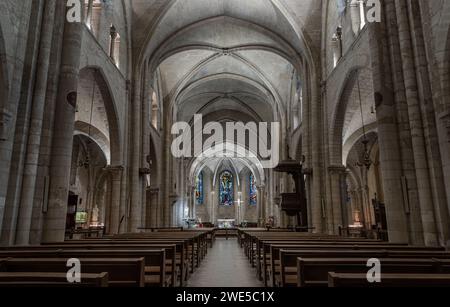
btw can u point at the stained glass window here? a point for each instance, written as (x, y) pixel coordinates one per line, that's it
(253, 191)
(199, 195)
(226, 195)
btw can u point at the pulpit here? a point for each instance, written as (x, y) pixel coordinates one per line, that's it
(295, 204)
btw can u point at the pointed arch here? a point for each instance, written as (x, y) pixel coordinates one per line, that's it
(336, 135)
(110, 109)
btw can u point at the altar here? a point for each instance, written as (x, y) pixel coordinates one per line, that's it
(226, 223)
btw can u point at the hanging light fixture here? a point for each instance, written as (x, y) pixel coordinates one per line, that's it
(366, 161)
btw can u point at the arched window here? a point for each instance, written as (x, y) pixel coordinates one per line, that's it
(199, 195)
(226, 193)
(93, 10)
(155, 111)
(297, 108)
(336, 44)
(114, 49)
(253, 191)
(358, 15)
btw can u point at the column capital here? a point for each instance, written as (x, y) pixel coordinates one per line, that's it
(153, 189)
(114, 169)
(337, 169)
(145, 171)
(308, 171)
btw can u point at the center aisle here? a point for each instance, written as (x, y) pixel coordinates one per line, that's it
(225, 266)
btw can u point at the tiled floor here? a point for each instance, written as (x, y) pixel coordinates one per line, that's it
(225, 266)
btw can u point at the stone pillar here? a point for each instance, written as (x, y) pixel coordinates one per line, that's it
(260, 202)
(165, 171)
(425, 93)
(390, 152)
(214, 203)
(366, 206)
(10, 98)
(336, 174)
(416, 125)
(192, 201)
(351, 209)
(145, 157)
(317, 193)
(394, 80)
(116, 182)
(125, 193)
(153, 207)
(35, 132)
(134, 221)
(55, 217)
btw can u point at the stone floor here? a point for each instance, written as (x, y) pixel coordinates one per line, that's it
(225, 266)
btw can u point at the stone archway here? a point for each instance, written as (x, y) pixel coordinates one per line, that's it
(93, 85)
(97, 121)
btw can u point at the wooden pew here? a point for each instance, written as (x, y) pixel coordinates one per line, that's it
(288, 258)
(189, 248)
(313, 272)
(251, 241)
(195, 249)
(152, 258)
(172, 261)
(127, 272)
(264, 250)
(253, 244)
(274, 258)
(336, 280)
(188, 252)
(40, 279)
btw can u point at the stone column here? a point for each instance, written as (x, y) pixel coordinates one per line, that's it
(125, 193)
(153, 207)
(425, 93)
(134, 221)
(166, 161)
(350, 210)
(55, 217)
(35, 132)
(416, 124)
(145, 157)
(192, 201)
(16, 60)
(116, 174)
(317, 193)
(213, 206)
(260, 202)
(336, 176)
(390, 153)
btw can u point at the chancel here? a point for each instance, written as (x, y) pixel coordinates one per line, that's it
(225, 143)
